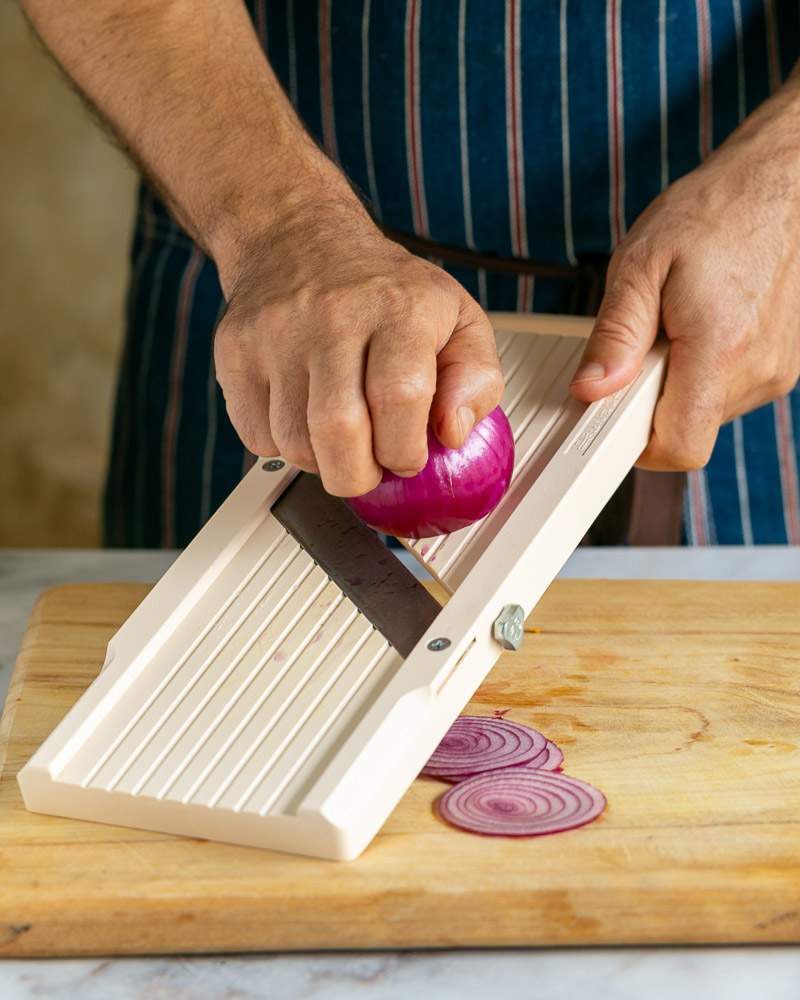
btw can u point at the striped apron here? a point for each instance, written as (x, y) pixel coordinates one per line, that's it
(523, 128)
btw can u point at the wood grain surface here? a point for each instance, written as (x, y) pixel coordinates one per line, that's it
(680, 700)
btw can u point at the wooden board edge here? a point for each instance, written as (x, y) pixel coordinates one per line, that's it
(13, 698)
(222, 927)
(36, 619)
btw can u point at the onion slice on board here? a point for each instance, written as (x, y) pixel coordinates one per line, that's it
(549, 759)
(520, 802)
(552, 758)
(475, 744)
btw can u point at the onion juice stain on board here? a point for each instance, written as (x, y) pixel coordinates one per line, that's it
(765, 746)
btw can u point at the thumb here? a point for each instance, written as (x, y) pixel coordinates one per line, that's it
(625, 328)
(469, 381)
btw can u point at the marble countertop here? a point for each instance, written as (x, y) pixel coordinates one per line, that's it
(524, 974)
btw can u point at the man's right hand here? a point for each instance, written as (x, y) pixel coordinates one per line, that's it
(338, 347)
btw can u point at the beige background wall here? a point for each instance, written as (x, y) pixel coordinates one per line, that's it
(66, 198)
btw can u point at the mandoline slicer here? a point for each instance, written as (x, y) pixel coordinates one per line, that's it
(256, 698)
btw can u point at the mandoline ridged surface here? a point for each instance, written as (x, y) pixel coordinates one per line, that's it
(244, 705)
(541, 412)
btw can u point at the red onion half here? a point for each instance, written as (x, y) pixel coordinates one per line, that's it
(457, 487)
(475, 744)
(520, 802)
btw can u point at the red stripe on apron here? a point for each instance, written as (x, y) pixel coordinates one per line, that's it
(787, 461)
(773, 52)
(173, 411)
(326, 80)
(261, 23)
(616, 121)
(513, 130)
(698, 509)
(413, 141)
(704, 69)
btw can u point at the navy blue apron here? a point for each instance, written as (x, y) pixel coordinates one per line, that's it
(524, 128)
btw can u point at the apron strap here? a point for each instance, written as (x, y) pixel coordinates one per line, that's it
(656, 516)
(587, 277)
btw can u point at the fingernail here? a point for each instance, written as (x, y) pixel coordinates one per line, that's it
(592, 371)
(466, 420)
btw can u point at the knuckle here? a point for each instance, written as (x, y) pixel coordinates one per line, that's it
(784, 385)
(276, 315)
(260, 447)
(792, 380)
(494, 383)
(296, 448)
(432, 279)
(302, 457)
(685, 455)
(228, 348)
(781, 381)
(394, 297)
(692, 460)
(733, 343)
(254, 444)
(398, 392)
(328, 307)
(765, 373)
(339, 423)
(257, 440)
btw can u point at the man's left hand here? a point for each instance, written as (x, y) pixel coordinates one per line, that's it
(714, 262)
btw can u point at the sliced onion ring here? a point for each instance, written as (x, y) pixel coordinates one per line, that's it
(475, 744)
(520, 802)
(552, 758)
(549, 759)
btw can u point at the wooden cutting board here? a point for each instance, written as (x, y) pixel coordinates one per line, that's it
(680, 700)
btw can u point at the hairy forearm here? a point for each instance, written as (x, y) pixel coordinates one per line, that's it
(190, 94)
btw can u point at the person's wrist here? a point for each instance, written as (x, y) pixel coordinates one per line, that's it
(311, 203)
(769, 138)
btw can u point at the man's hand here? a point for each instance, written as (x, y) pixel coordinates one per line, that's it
(338, 346)
(715, 262)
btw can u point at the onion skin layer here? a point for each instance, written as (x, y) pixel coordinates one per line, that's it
(457, 487)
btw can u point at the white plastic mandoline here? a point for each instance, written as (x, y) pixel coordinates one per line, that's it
(248, 700)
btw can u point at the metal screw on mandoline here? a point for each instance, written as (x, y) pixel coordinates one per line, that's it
(438, 644)
(273, 465)
(509, 627)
